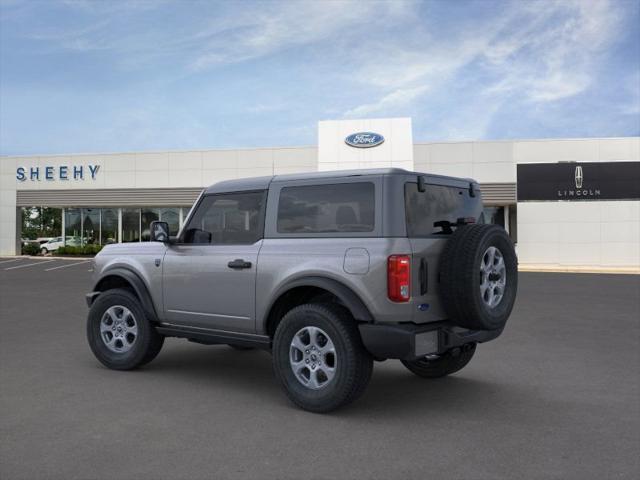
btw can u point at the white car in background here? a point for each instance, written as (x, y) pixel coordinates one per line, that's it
(56, 242)
(52, 245)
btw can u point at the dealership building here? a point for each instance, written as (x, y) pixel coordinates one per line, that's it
(567, 203)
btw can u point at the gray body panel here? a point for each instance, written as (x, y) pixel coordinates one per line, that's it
(139, 258)
(284, 261)
(194, 287)
(201, 290)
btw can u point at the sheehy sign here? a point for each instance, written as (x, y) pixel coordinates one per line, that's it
(575, 181)
(60, 172)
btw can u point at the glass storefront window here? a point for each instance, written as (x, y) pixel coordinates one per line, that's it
(41, 222)
(109, 226)
(172, 217)
(90, 226)
(86, 226)
(493, 215)
(130, 224)
(148, 215)
(72, 226)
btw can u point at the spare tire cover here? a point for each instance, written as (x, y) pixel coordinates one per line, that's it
(479, 277)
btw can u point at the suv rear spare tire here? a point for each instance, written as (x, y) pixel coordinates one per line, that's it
(479, 277)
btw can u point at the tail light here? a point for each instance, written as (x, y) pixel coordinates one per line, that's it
(399, 278)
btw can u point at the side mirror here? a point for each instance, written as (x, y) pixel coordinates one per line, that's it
(159, 232)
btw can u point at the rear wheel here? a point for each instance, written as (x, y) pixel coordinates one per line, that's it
(319, 358)
(119, 333)
(451, 362)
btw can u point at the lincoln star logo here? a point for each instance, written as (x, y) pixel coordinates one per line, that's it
(579, 177)
(580, 191)
(364, 139)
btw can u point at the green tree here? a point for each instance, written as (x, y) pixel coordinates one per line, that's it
(41, 222)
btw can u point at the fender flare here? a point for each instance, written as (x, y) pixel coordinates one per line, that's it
(347, 296)
(138, 285)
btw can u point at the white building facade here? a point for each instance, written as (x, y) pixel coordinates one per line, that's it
(567, 203)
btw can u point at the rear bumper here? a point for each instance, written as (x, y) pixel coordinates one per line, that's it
(409, 341)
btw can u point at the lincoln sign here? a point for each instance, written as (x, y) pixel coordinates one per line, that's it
(575, 181)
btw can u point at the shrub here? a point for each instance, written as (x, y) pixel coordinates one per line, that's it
(83, 250)
(31, 249)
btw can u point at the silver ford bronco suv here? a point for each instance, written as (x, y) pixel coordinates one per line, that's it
(328, 271)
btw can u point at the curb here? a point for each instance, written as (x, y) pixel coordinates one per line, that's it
(41, 258)
(521, 267)
(575, 269)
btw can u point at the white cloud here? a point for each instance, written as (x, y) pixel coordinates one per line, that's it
(398, 98)
(631, 106)
(257, 33)
(536, 51)
(552, 56)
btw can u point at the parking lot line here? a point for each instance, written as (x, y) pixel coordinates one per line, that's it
(31, 264)
(65, 266)
(9, 261)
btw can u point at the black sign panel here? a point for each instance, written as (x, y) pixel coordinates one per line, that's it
(579, 181)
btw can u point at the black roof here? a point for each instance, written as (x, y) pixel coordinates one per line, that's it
(262, 183)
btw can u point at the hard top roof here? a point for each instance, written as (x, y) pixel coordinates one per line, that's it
(262, 183)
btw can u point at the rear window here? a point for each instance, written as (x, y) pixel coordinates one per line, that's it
(337, 208)
(438, 203)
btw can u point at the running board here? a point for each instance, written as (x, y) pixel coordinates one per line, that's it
(212, 337)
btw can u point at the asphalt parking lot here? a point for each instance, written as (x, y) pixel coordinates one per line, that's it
(555, 397)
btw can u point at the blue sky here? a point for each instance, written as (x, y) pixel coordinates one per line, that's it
(93, 76)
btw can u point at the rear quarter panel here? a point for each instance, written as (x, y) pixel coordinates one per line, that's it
(283, 260)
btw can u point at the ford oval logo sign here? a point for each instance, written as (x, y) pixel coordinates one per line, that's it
(364, 139)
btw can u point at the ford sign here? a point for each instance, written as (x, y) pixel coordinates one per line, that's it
(364, 139)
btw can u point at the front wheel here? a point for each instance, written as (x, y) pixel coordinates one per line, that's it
(451, 362)
(44, 251)
(119, 333)
(319, 358)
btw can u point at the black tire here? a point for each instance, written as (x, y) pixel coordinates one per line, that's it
(460, 277)
(44, 251)
(451, 362)
(241, 348)
(353, 363)
(148, 342)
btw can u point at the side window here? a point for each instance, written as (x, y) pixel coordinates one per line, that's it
(231, 218)
(342, 207)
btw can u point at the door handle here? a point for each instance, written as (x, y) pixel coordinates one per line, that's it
(239, 264)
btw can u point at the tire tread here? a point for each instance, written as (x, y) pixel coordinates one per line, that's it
(357, 357)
